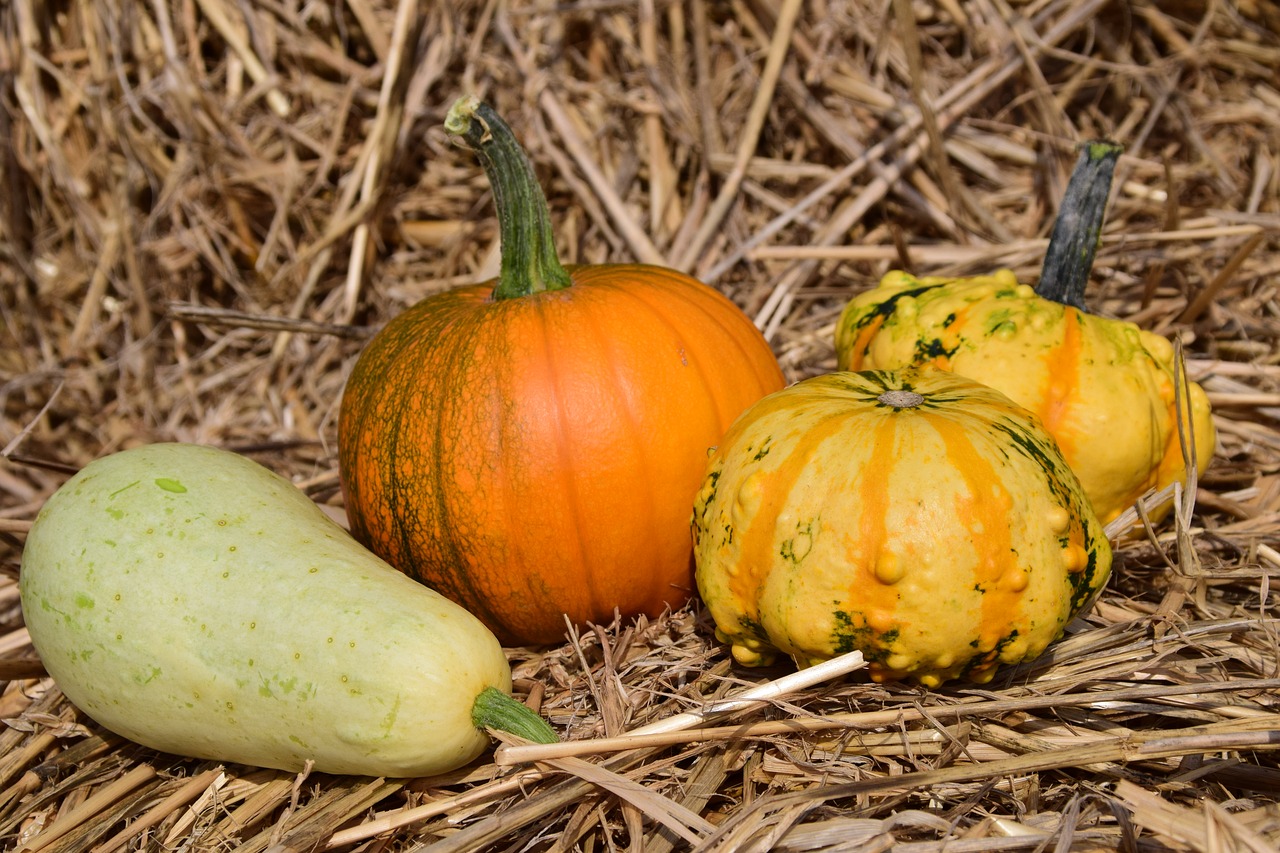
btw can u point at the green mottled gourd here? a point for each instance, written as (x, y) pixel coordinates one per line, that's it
(917, 516)
(1104, 388)
(195, 602)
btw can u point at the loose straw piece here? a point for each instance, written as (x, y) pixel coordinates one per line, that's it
(105, 796)
(382, 139)
(798, 680)
(749, 139)
(221, 20)
(893, 716)
(393, 820)
(180, 797)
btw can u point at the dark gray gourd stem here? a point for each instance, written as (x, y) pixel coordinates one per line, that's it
(1076, 231)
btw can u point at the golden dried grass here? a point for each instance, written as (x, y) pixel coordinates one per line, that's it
(208, 205)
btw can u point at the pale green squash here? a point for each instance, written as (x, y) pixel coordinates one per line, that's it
(195, 602)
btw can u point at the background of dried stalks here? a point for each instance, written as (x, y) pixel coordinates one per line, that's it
(208, 204)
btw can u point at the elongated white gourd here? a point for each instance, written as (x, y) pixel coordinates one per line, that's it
(195, 602)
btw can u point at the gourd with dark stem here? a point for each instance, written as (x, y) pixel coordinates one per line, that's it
(1108, 391)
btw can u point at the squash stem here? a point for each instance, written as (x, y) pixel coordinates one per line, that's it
(901, 398)
(494, 709)
(529, 262)
(1078, 228)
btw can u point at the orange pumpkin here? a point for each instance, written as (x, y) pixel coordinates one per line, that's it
(530, 447)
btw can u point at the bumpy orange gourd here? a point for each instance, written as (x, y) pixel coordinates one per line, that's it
(1105, 389)
(530, 448)
(919, 517)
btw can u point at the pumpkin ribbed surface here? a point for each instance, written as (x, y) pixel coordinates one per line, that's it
(919, 517)
(1103, 388)
(537, 456)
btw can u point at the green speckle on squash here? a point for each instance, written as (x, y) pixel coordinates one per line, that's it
(389, 721)
(171, 485)
(123, 489)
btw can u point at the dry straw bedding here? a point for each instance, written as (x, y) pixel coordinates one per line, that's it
(207, 205)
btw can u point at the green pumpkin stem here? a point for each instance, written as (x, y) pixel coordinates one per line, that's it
(1078, 228)
(494, 709)
(529, 262)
